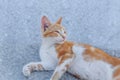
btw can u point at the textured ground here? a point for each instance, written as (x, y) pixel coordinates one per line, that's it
(96, 22)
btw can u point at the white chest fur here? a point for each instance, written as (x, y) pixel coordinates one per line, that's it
(48, 55)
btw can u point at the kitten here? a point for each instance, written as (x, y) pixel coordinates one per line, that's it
(82, 60)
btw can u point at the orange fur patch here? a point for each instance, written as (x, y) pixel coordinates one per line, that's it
(98, 54)
(64, 51)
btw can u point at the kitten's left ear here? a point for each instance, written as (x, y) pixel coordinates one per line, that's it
(59, 20)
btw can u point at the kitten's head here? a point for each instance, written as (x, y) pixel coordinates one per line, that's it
(55, 33)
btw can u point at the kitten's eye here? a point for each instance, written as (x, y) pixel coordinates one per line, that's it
(57, 31)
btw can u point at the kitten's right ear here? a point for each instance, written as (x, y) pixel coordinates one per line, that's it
(45, 23)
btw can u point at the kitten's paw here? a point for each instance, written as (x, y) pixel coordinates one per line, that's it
(26, 70)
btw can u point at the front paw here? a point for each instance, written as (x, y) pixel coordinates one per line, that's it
(26, 70)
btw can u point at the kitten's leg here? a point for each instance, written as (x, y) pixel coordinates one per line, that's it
(64, 63)
(35, 66)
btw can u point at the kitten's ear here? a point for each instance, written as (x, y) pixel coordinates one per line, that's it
(45, 23)
(59, 20)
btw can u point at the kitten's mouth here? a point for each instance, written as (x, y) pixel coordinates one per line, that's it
(62, 40)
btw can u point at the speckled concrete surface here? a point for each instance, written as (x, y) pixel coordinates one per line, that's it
(96, 22)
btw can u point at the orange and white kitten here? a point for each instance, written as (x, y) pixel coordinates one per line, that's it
(82, 60)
